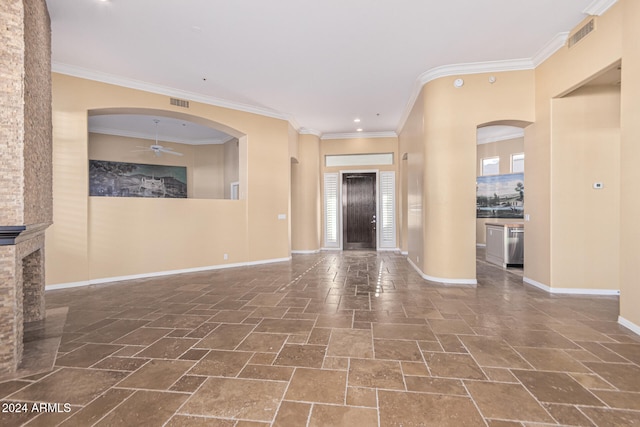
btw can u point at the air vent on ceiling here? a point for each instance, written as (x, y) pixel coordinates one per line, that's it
(582, 32)
(179, 102)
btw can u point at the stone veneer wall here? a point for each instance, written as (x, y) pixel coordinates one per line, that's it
(38, 192)
(25, 167)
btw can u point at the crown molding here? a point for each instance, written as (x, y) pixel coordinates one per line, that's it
(460, 69)
(72, 70)
(305, 131)
(474, 68)
(355, 135)
(84, 73)
(558, 41)
(598, 7)
(554, 45)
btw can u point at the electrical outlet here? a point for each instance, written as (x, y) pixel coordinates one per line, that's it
(226, 256)
(598, 185)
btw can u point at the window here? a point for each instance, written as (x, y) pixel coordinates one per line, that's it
(517, 163)
(491, 166)
(358, 159)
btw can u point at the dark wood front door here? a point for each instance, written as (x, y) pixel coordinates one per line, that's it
(359, 210)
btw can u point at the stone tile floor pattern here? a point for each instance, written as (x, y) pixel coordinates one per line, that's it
(333, 339)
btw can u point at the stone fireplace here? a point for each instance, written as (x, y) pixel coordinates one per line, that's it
(25, 170)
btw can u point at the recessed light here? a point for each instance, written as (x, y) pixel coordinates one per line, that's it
(359, 129)
(356, 120)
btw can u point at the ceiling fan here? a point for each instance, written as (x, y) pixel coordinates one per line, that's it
(156, 148)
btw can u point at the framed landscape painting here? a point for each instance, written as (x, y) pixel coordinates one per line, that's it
(118, 179)
(500, 196)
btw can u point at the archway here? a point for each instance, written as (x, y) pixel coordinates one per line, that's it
(500, 190)
(156, 153)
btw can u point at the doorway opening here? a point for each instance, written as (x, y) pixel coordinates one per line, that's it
(359, 211)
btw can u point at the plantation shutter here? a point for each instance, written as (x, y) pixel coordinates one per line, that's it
(331, 204)
(387, 222)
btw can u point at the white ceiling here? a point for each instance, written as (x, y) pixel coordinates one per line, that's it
(487, 134)
(319, 64)
(166, 129)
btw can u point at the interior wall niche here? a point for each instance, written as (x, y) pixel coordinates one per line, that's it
(160, 156)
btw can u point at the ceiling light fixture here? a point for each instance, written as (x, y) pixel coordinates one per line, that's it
(356, 120)
(359, 129)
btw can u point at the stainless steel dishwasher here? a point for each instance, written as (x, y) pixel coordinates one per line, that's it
(514, 253)
(505, 244)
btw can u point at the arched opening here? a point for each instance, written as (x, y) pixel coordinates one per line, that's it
(163, 154)
(500, 187)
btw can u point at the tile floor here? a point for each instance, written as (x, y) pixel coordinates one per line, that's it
(333, 339)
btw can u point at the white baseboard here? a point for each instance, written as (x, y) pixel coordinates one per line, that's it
(629, 325)
(306, 252)
(473, 282)
(536, 284)
(331, 249)
(481, 245)
(67, 285)
(388, 249)
(161, 273)
(571, 291)
(404, 253)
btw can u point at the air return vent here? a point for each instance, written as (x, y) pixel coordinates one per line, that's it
(179, 102)
(582, 32)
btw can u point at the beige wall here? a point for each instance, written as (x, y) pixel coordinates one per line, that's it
(360, 146)
(95, 238)
(585, 150)
(629, 161)
(231, 165)
(305, 196)
(411, 142)
(503, 150)
(445, 120)
(208, 178)
(403, 201)
(560, 230)
(567, 69)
